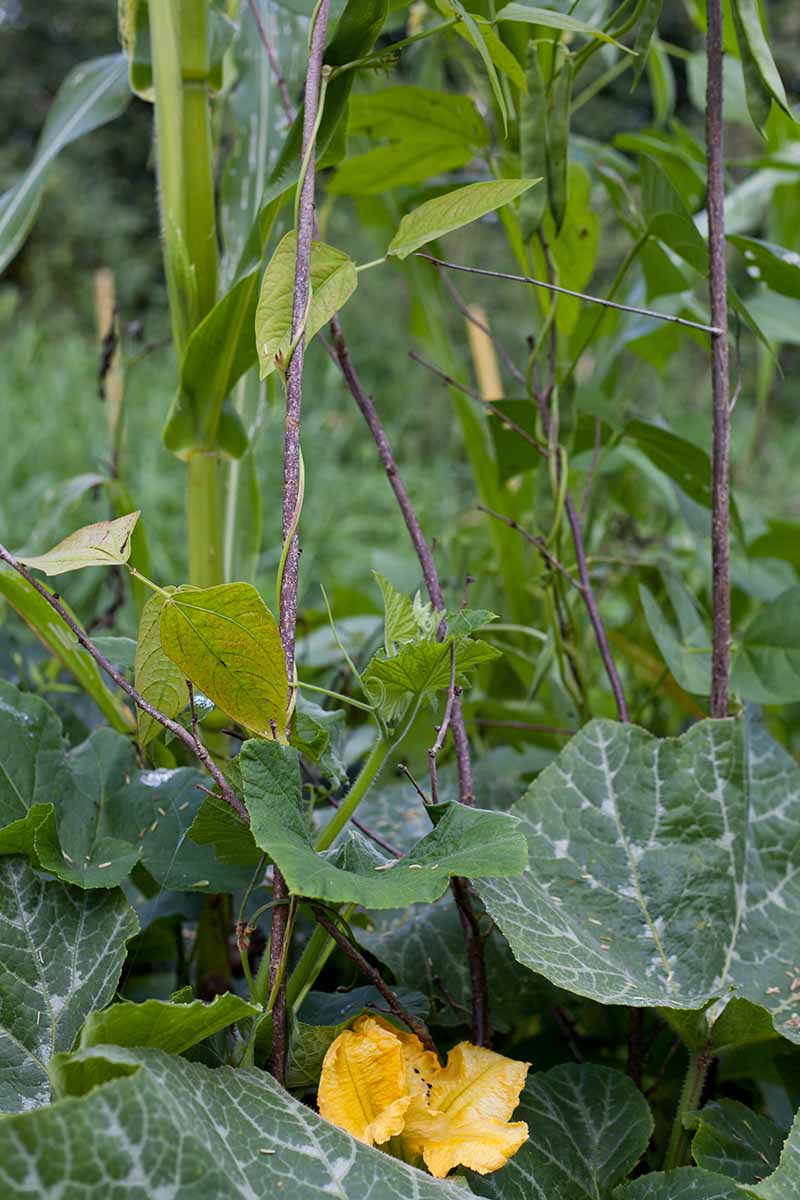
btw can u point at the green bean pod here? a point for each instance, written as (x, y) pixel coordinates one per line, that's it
(533, 145)
(558, 144)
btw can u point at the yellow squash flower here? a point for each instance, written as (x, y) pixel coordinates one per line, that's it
(381, 1085)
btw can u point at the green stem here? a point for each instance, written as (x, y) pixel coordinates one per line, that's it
(317, 952)
(198, 178)
(678, 1151)
(206, 532)
(377, 757)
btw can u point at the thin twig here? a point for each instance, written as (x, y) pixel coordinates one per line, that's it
(292, 484)
(273, 61)
(486, 404)
(194, 744)
(594, 612)
(567, 1024)
(192, 708)
(553, 287)
(481, 1027)
(718, 293)
(592, 467)
(376, 979)
(576, 527)
(537, 542)
(555, 730)
(372, 834)
(441, 733)
(470, 315)
(403, 769)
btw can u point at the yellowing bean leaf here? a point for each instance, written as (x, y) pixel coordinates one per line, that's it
(157, 677)
(445, 213)
(226, 641)
(104, 544)
(333, 281)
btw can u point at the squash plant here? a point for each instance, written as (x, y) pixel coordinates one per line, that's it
(568, 967)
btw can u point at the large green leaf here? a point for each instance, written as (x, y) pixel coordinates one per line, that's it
(445, 213)
(767, 665)
(419, 670)
(734, 1141)
(31, 753)
(226, 641)
(217, 825)
(687, 649)
(762, 80)
(104, 544)
(413, 113)
(92, 94)
(588, 1127)
(333, 281)
(89, 842)
(157, 677)
(784, 1183)
(662, 872)
(778, 267)
(687, 1183)
(398, 165)
(62, 953)
(163, 1024)
(465, 841)
(160, 1125)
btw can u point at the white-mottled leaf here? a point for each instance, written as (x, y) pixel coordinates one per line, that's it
(687, 1183)
(735, 1141)
(445, 213)
(588, 1127)
(662, 872)
(103, 544)
(162, 1126)
(784, 1183)
(61, 953)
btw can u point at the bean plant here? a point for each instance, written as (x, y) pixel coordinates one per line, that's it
(487, 886)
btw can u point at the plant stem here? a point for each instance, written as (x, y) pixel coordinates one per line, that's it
(206, 532)
(292, 476)
(718, 292)
(416, 1026)
(691, 1094)
(377, 757)
(481, 1027)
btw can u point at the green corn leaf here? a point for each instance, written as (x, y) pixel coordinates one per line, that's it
(93, 94)
(60, 641)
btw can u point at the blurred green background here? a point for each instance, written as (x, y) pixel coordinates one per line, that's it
(100, 210)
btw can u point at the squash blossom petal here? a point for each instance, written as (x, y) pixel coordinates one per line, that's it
(458, 1115)
(466, 1119)
(363, 1086)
